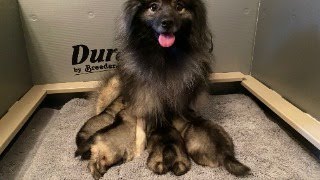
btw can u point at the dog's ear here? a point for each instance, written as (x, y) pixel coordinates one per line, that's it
(130, 10)
(200, 14)
(201, 31)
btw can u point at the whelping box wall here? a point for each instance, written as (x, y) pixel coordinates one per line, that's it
(15, 77)
(287, 51)
(54, 27)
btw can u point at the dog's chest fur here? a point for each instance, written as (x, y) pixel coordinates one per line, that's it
(157, 83)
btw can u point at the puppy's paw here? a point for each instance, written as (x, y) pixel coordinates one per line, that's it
(155, 163)
(94, 170)
(179, 168)
(158, 167)
(99, 109)
(98, 164)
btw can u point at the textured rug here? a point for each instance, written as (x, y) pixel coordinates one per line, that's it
(45, 149)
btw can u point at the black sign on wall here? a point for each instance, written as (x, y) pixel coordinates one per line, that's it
(87, 61)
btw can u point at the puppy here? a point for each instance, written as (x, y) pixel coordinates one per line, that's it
(117, 143)
(208, 144)
(113, 135)
(95, 124)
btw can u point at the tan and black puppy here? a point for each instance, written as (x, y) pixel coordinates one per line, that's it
(113, 135)
(119, 142)
(108, 104)
(95, 124)
(208, 144)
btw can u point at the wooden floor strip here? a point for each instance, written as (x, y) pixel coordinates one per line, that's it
(18, 114)
(71, 87)
(226, 77)
(306, 125)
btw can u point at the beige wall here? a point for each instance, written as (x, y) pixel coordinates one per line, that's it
(15, 77)
(287, 51)
(52, 27)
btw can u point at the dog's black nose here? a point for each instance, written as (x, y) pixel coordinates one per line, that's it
(167, 23)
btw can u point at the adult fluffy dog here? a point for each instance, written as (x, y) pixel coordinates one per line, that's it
(164, 64)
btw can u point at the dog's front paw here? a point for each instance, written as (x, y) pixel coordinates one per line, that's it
(176, 158)
(167, 152)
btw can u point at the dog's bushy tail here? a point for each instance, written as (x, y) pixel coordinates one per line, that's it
(234, 166)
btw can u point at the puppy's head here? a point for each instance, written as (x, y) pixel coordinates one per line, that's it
(165, 20)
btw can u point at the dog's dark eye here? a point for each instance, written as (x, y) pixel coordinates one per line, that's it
(154, 7)
(179, 7)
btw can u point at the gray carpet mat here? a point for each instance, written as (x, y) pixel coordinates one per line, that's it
(46, 147)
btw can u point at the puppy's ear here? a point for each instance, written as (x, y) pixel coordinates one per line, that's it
(130, 10)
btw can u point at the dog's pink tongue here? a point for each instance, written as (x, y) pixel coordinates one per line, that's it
(166, 40)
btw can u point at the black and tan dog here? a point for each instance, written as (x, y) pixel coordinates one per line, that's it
(113, 135)
(208, 144)
(110, 138)
(94, 124)
(164, 67)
